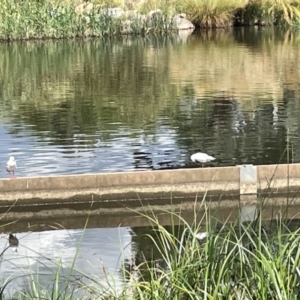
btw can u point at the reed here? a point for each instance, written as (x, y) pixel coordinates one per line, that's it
(58, 19)
(234, 261)
(282, 11)
(212, 13)
(269, 12)
(37, 20)
(34, 19)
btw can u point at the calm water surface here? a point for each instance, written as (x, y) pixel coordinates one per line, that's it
(96, 253)
(69, 107)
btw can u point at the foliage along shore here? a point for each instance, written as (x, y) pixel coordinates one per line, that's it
(38, 19)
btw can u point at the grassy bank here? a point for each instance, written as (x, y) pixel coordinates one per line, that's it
(67, 19)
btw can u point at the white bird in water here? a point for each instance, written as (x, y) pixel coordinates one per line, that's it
(11, 165)
(202, 158)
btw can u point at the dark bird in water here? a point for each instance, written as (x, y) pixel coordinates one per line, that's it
(13, 241)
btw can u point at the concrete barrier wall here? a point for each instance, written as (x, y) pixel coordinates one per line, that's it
(121, 179)
(279, 178)
(124, 186)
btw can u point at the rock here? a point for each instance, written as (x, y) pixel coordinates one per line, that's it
(181, 23)
(115, 12)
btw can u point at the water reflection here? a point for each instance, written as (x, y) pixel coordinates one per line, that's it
(149, 103)
(98, 254)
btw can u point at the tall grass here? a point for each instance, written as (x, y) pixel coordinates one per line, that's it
(269, 12)
(34, 19)
(235, 261)
(282, 11)
(212, 13)
(42, 19)
(58, 19)
(167, 6)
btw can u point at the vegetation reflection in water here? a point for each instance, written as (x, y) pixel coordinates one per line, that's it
(240, 260)
(148, 103)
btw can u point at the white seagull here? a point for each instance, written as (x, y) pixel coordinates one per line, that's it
(11, 165)
(201, 157)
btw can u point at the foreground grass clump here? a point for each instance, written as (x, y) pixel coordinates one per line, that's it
(237, 261)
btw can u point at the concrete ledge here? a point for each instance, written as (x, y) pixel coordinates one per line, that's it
(122, 186)
(109, 180)
(279, 178)
(152, 185)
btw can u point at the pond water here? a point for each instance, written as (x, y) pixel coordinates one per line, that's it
(84, 106)
(96, 254)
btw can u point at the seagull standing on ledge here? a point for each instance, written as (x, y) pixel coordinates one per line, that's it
(202, 158)
(11, 165)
